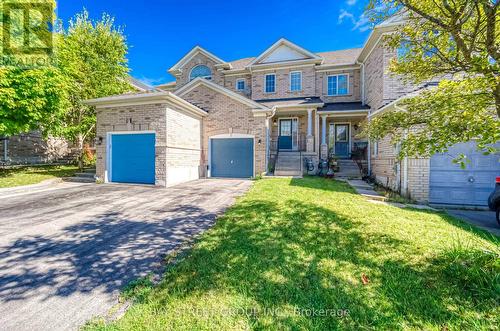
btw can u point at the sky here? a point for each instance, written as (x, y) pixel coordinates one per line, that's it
(160, 32)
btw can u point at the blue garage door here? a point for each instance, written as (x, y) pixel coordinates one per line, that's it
(450, 184)
(232, 157)
(133, 158)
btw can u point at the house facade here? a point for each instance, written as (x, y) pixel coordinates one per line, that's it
(272, 113)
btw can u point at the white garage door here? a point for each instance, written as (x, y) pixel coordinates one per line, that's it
(450, 184)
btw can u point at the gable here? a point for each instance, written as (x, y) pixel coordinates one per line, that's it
(195, 52)
(219, 89)
(284, 53)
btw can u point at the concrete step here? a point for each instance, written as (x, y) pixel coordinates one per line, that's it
(91, 170)
(79, 179)
(287, 173)
(85, 174)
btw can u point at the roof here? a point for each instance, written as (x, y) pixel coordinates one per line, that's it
(140, 85)
(241, 63)
(145, 98)
(344, 106)
(218, 88)
(288, 102)
(345, 56)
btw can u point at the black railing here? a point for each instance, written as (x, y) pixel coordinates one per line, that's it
(359, 155)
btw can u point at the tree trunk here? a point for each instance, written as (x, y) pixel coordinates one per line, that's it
(79, 142)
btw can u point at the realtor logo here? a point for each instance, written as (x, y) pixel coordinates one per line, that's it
(27, 28)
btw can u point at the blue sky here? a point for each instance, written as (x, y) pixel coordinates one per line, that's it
(160, 32)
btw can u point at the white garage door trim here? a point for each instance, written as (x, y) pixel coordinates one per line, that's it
(109, 156)
(226, 136)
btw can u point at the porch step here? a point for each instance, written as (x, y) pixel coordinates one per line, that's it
(348, 168)
(288, 164)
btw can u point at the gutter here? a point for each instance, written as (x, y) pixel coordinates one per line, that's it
(405, 164)
(268, 149)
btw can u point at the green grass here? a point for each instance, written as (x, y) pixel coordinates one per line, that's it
(293, 245)
(33, 175)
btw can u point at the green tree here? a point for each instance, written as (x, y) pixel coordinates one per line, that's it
(458, 43)
(92, 55)
(32, 89)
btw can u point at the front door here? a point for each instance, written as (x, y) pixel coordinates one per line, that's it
(288, 134)
(341, 132)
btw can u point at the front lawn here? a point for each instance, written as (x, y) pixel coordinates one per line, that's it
(309, 254)
(33, 175)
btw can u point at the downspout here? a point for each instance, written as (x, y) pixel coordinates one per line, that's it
(363, 102)
(405, 163)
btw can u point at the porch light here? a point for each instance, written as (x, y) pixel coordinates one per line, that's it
(98, 140)
(259, 142)
(275, 122)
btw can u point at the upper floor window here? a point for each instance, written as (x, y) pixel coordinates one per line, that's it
(338, 84)
(200, 71)
(270, 83)
(295, 81)
(240, 85)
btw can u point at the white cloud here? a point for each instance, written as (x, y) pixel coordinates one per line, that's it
(361, 23)
(351, 2)
(344, 14)
(152, 81)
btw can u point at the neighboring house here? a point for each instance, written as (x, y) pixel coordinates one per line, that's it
(258, 115)
(33, 148)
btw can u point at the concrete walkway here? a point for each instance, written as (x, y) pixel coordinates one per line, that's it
(67, 250)
(365, 189)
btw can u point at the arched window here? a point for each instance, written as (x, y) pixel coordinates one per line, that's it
(200, 71)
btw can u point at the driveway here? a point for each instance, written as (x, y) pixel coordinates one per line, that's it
(66, 251)
(485, 220)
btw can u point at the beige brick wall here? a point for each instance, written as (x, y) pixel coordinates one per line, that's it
(384, 163)
(150, 117)
(199, 59)
(418, 179)
(283, 84)
(225, 116)
(354, 94)
(183, 146)
(230, 83)
(374, 78)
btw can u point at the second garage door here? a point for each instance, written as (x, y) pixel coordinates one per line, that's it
(450, 184)
(231, 157)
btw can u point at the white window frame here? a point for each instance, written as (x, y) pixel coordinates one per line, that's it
(375, 148)
(265, 83)
(244, 84)
(300, 86)
(337, 94)
(205, 77)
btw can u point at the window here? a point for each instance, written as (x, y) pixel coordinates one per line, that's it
(375, 148)
(295, 81)
(338, 85)
(270, 83)
(240, 85)
(200, 71)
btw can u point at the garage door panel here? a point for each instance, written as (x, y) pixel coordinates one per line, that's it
(450, 184)
(133, 158)
(232, 157)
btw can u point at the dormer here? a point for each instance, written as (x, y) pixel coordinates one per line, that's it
(284, 52)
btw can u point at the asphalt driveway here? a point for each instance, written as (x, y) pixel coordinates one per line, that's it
(66, 251)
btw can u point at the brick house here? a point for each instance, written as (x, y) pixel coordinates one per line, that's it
(266, 114)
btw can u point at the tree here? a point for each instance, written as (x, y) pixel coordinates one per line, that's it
(32, 89)
(92, 55)
(457, 43)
